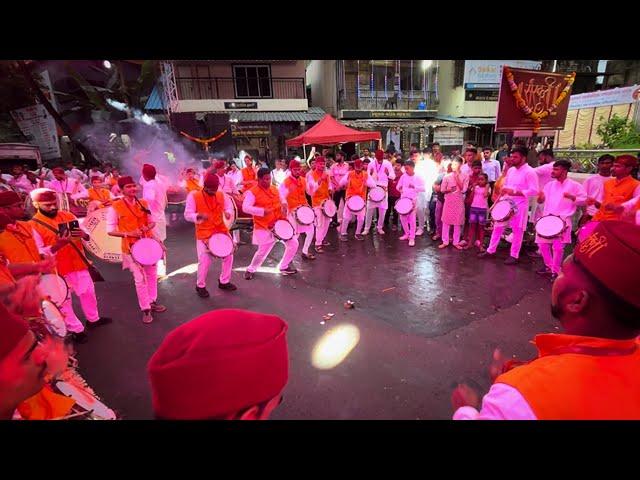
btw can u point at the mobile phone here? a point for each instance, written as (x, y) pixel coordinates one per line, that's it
(74, 225)
(63, 228)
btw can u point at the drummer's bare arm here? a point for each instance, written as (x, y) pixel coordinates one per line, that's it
(21, 269)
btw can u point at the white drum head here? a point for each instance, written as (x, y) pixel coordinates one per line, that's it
(54, 287)
(550, 226)
(221, 245)
(502, 210)
(54, 318)
(229, 223)
(147, 251)
(305, 215)
(404, 206)
(355, 203)
(377, 194)
(329, 208)
(283, 230)
(86, 401)
(101, 244)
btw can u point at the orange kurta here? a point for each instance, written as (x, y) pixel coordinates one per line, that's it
(296, 192)
(18, 245)
(616, 192)
(267, 199)
(130, 219)
(249, 175)
(101, 194)
(6, 277)
(192, 185)
(357, 184)
(580, 378)
(213, 207)
(322, 193)
(67, 258)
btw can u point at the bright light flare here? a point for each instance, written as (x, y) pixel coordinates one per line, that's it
(334, 346)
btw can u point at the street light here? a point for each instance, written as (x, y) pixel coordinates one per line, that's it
(106, 64)
(426, 64)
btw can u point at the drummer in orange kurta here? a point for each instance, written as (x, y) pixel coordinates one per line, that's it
(589, 372)
(99, 195)
(618, 190)
(249, 175)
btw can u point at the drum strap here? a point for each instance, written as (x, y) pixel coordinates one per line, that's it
(93, 271)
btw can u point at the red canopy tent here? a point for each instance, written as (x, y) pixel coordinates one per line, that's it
(329, 131)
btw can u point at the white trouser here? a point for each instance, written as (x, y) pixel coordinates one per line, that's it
(341, 208)
(382, 211)
(307, 230)
(145, 278)
(518, 224)
(552, 254)
(204, 262)
(446, 231)
(347, 215)
(409, 224)
(81, 284)
(290, 249)
(322, 225)
(421, 209)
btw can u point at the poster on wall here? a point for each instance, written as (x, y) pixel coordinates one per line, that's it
(448, 136)
(486, 74)
(40, 129)
(531, 100)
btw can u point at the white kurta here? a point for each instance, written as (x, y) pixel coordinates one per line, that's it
(556, 204)
(155, 193)
(300, 228)
(70, 186)
(522, 179)
(594, 187)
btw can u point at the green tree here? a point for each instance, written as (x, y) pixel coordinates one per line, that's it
(619, 132)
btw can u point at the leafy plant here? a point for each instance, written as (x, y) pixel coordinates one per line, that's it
(619, 132)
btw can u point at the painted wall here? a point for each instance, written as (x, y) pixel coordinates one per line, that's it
(294, 69)
(321, 76)
(452, 100)
(269, 105)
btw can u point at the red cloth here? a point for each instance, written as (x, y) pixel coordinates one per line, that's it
(96, 177)
(329, 131)
(219, 164)
(149, 171)
(13, 330)
(357, 163)
(57, 170)
(9, 198)
(5, 220)
(218, 364)
(43, 195)
(122, 181)
(612, 255)
(379, 154)
(211, 181)
(320, 160)
(393, 188)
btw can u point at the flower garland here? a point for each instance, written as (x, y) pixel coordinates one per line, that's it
(529, 113)
(206, 141)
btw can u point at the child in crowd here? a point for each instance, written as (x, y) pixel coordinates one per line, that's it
(478, 212)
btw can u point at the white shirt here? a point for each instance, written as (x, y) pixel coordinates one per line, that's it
(76, 174)
(337, 172)
(21, 183)
(594, 186)
(491, 168)
(278, 176)
(190, 211)
(381, 172)
(236, 177)
(427, 170)
(155, 193)
(502, 402)
(544, 174)
(410, 185)
(522, 179)
(70, 186)
(91, 173)
(466, 169)
(555, 203)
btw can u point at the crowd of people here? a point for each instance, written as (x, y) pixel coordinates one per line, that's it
(453, 198)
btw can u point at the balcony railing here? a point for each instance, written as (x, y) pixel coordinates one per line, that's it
(190, 88)
(381, 100)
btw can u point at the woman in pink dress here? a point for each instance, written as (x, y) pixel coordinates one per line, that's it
(454, 186)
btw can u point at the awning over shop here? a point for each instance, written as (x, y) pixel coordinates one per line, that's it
(473, 121)
(314, 114)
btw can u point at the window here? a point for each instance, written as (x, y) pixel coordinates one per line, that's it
(458, 73)
(252, 81)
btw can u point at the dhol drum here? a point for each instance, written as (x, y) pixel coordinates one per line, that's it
(404, 206)
(53, 318)
(221, 245)
(88, 402)
(355, 203)
(283, 230)
(329, 208)
(176, 195)
(377, 194)
(550, 227)
(234, 216)
(503, 210)
(54, 288)
(304, 215)
(586, 230)
(147, 251)
(100, 243)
